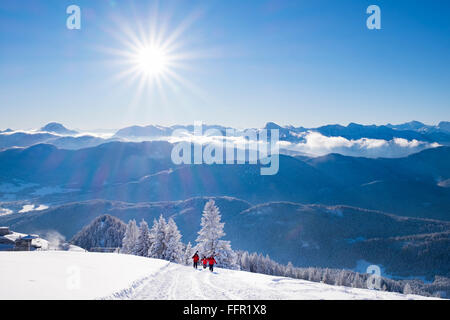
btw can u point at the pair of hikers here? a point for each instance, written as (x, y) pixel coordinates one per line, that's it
(205, 261)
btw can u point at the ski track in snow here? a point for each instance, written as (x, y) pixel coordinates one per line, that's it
(137, 286)
(173, 282)
(177, 282)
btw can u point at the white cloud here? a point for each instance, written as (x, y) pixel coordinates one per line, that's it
(317, 144)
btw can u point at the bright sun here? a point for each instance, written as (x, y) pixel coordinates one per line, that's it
(152, 55)
(152, 61)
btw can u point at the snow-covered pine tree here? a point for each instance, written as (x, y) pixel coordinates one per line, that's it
(269, 265)
(245, 261)
(407, 289)
(326, 276)
(252, 262)
(130, 239)
(260, 264)
(225, 256)
(143, 242)
(208, 242)
(211, 231)
(278, 270)
(289, 270)
(188, 253)
(173, 246)
(358, 281)
(153, 232)
(158, 246)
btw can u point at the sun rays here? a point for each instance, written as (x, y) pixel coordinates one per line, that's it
(151, 55)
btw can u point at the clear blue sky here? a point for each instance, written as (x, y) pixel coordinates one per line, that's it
(292, 62)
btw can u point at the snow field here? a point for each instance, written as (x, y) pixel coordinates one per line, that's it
(84, 275)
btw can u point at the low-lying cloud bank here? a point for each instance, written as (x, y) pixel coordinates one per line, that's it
(313, 143)
(316, 144)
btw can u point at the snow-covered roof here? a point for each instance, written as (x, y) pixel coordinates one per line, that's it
(29, 237)
(36, 241)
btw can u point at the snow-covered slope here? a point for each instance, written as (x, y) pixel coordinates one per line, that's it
(69, 275)
(82, 275)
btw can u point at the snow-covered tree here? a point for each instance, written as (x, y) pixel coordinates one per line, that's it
(407, 289)
(225, 256)
(208, 242)
(358, 282)
(270, 267)
(260, 265)
(211, 231)
(153, 232)
(173, 246)
(245, 261)
(130, 239)
(289, 270)
(143, 242)
(253, 260)
(188, 253)
(104, 231)
(341, 278)
(278, 270)
(158, 247)
(326, 276)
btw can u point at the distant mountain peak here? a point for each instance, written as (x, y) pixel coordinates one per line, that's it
(57, 128)
(271, 125)
(415, 122)
(411, 125)
(354, 124)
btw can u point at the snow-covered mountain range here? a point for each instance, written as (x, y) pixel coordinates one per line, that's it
(353, 139)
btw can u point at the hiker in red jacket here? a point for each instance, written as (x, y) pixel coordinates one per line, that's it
(211, 262)
(195, 258)
(204, 262)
